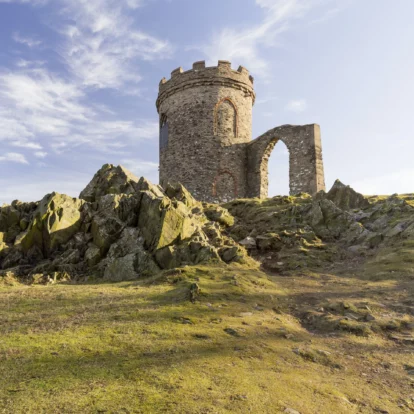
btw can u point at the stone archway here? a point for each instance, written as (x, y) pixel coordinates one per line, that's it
(305, 160)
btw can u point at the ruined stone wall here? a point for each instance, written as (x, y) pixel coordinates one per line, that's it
(305, 160)
(205, 126)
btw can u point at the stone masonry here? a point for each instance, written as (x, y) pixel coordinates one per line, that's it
(206, 137)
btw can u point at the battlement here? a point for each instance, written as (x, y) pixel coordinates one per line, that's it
(222, 74)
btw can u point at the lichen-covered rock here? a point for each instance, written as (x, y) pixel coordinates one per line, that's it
(127, 259)
(268, 242)
(219, 214)
(126, 229)
(146, 185)
(345, 197)
(55, 221)
(179, 192)
(163, 221)
(110, 180)
(248, 243)
(93, 255)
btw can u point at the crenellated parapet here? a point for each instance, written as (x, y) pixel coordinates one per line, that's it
(200, 75)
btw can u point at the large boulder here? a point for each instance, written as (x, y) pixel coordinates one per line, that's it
(110, 180)
(163, 221)
(57, 219)
(127, 259)
(346, 198)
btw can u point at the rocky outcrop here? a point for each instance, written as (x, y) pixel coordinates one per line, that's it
(113, 180)
(121, 228)
(345, 197)
(286, 233)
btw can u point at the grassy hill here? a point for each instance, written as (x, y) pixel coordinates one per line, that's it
(249, 343)
(138, 299)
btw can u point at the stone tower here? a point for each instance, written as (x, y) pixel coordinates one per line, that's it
(206, 131)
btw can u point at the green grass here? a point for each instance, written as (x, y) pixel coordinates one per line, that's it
(143, 347)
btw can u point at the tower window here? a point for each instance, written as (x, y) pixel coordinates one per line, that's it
(163, 132)
(225, 122)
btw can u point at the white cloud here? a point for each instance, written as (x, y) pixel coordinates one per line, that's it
(14, 157)
(40, 154)
(40, 104)
(245, 45)
(298, 105)
(23, 63)
(102, 44)
(25, 40)
(26, 144)
(101, 48)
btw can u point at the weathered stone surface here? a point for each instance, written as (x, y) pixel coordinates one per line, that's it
(345, 197)
(163, 221)
(269, 241)
(127, 258)
(180, 193)
(109, 180)
(93, 255)
(205, 137)
(55, 221)
(248, 243)
(117, 236)
(219, 214)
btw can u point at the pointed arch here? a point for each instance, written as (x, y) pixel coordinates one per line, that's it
(226, 118)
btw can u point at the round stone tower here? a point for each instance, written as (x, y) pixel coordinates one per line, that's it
(205, 125)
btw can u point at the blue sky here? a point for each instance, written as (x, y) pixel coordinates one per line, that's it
(79, 79)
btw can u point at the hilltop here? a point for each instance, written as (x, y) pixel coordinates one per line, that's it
(137, 298)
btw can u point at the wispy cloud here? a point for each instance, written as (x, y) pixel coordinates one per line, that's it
(40, 154)
(41, 104)
(26, 40)
(246, 45)
(297, 105)
(13, 157)
(103, 46)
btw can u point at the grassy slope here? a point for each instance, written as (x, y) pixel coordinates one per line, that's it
(143, 347)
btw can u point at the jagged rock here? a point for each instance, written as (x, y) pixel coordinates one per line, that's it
(123, 206)
(105, 231)
(110, 180)
(328, 220)
(248, 243)
(180, 193)
(397, 229)
(194, 251)
(345, 197)
(219, 214)
(163, 221)
(127, 258)
(9, 216)
(269, 241)
(93, 255)
(129, 228)
(228, 253)
(55, 221)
